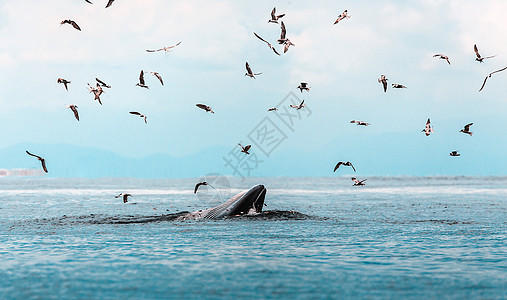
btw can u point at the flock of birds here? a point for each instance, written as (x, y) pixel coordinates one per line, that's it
(286, 43)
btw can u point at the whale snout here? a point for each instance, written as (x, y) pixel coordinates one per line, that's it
(258, 204)
(251, 199)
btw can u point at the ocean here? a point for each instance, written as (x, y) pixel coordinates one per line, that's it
(320, 238)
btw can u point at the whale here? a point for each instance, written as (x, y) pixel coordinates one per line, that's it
(247, 205)
(246, 202)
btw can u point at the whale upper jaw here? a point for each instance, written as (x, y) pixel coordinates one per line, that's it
(242, 203)
(253, 199)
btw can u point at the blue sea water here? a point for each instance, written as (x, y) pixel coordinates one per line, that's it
(396, 237)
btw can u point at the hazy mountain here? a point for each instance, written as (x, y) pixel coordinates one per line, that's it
(371, 154)
(73, 161)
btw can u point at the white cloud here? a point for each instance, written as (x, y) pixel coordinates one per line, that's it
(120, 33)
(342, 60)
(482, 24)
(6, 60)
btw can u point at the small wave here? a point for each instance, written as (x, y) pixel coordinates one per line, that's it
(104, 219)
(448, 222)
(434, 221)
(137, 219)
(273, 215)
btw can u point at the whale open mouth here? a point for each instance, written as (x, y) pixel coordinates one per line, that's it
(241, 204)
(252, 199)
(259, 203)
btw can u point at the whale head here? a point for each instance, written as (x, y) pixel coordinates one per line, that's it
(242, 203)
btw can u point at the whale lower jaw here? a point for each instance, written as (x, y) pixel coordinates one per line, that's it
(248, 202)
(213, 214)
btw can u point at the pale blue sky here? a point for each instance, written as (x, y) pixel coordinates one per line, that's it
(341, 63)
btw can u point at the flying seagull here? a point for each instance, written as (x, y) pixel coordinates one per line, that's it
(64, 81)
(158, 76)
(454, 153)
(360, 123)
(245, 149)
(398, 86)
(89, 1)
(479, 57)
(342, 16)
(283, 40)
(489, 75)
(269, 44)
(166, 49)
(383, 80)
(357, 182)
(139, 114)
(303, 86)
(441, 56)
(249, 72)
(298, 107)
(124, 196)
(274, 17)
(109, 3)
(42, 161)
(97, 92)
(349, 164)
(273, 109)
(466, 129)
(102, 83)
(205, 107)
(141, 82)
(428, 130)
(74, 110)
(288, 43)
(201, 183)
(74, 24)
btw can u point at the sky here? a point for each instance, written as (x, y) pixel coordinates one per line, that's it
(340, 62)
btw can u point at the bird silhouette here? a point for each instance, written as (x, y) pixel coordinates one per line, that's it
(489, 75)
(268, 43)
(249, 72)
(342, 16)
(74, 110)
(427, 129)
(124, 196)
(201, 183)
(383, 80)
(357, 182)
(441, 56)
(298, 107)
(138, 114)
(74, 24)
(42, 161)
(141, 82)
(245, 149)
(274, 16)
(303, 86)
(109, 3)
(64, 81)
(205, 107)
(158, 76)
(166, 49)
(466, 129)
(348, 163)
(479, 58)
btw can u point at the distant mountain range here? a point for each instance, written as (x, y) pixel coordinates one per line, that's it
(64, 160)
(379, 155)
